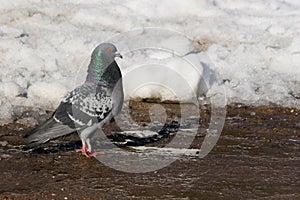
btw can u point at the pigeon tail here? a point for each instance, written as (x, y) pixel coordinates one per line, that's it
(50, 130)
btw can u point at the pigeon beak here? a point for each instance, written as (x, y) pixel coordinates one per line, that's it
(118, 55)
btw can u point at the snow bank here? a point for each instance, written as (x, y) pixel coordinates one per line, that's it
(250, 48)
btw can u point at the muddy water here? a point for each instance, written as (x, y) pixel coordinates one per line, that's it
(256, 157)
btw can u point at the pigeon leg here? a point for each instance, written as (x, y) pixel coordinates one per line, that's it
(83, 150)
(87, 151)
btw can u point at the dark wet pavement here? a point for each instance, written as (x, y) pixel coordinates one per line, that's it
(256, 157)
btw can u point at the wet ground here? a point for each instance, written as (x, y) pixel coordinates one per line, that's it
(256, 157)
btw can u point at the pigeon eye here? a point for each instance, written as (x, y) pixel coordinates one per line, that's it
(108, 50)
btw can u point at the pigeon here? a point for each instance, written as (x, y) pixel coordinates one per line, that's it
(89, 106)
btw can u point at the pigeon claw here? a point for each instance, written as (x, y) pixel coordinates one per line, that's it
(87, 153)
(94, 154)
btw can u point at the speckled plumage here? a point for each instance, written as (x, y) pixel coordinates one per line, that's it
(85, 105)
(88, 106)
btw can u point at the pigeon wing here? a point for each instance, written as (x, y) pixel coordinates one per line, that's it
(81, 108)
(84, 106)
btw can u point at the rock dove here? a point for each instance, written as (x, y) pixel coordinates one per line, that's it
(89, 106)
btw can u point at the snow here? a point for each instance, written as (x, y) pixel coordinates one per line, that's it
(249, 49)
(47, 94)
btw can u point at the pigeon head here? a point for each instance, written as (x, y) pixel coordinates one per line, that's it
(102, 57)
(105, 53)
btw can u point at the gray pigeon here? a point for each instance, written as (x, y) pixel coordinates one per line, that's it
(88, 106)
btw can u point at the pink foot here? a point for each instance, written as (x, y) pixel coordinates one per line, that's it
(88, 154)
(96, 153)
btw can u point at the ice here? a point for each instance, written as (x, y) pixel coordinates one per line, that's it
(6, 111)
(277, 29)
(249, 49)
(10, 90)
(152, 73)
(47, 94)
(171, 8)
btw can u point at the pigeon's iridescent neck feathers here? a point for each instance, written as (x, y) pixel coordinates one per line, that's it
(103, 64)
